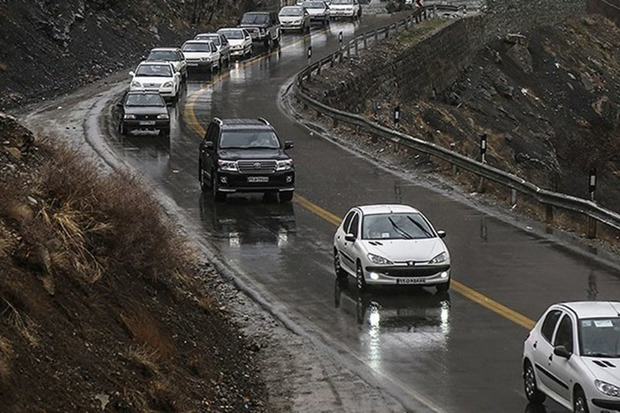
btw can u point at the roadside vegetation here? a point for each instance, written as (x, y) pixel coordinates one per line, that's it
(103, 307)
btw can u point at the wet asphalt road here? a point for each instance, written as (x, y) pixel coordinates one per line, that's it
(447, 351)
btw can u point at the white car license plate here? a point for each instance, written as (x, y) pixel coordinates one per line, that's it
(258, 179)
(412, 280)
(147, 122)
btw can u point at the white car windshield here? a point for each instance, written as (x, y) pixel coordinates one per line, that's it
(600, 337)
(212, 37)
(233, 34)
(249, 139)
(154, 71)
(350, 2)
(314, 5)
(250, 18)
(145, 99)
(197, 47)
(292, 11)
(396, 226)
(163, 55)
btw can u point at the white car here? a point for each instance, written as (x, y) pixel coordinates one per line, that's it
(294, 18)
(222, 45)
(391, 245)
(173, 55)
(159, 76)
(201, 54)
(572, 355)
(239, 39)
(319, 11)
(349, 9)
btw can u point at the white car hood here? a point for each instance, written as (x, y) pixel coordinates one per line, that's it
(288, 19)
(316, 12)
(198, 55)
(605, 369)
(419, 250)
(152, 79)
(235, 42)
(348, 7)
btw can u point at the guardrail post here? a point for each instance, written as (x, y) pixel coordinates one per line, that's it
(356, 47)
(348, 50)
(318, 68)
(376, 36)
(434, 11)
(513, 197)
(549, 214)
(454, 168)
(592, 188)
(483, 151)
(387, 32)
(340, 55)
(333, 59)
(365, 41)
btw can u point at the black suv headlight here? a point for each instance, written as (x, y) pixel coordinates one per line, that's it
(229, 166)
(285, 165)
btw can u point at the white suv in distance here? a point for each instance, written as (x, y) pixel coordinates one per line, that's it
(159, 76)
(349, 9)
(391, 245)
(572, 355)
(240, 41)
(173, 55)
(222, 45)
(201, 54)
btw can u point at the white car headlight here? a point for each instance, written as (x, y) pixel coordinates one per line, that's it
(607, 388)
(135, 83)
(297, 22)
(227, 165)
(285, 165)
(167, 84)
(377, 259)
(443, 257)
(205, 59)
(163, 116)
(129, 116)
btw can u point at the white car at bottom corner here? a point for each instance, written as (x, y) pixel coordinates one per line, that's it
(158, 76)
(572, 355)
(391, 245)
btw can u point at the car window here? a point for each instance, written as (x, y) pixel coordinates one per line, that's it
(548, 326)
(347, 220)
(564, 335)
(154, 71)
(600, 337)
(197, 47)
(145, 99)
(251, 18)
(212, 132)
(354, 227)
(249, 139)
(223, 40)
(213, 37)
(396, 226)
(291, 11)
(163, 55)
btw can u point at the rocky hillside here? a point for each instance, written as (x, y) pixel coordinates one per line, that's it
(548, 100)
(103, 307)
(50, 47)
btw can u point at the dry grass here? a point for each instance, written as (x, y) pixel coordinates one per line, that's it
(6, 355)
(147, 358)
(24, 325)
(147, 333)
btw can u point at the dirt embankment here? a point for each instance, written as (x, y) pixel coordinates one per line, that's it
(49, 48)
(549, 101)
(103, 306)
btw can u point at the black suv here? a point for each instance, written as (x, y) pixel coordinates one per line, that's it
(245, 155)
(263, 26)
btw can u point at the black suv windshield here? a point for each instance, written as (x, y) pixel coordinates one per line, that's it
(249, 139)
(145, 99)
(250, 18)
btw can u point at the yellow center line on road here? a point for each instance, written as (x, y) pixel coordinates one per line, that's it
(192, 120)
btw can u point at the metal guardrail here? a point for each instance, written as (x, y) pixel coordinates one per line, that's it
(548, 198)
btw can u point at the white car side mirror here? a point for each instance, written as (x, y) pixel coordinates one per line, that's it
(132, 73)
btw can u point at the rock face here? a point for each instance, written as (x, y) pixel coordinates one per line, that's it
(547, 99)
(49, 47)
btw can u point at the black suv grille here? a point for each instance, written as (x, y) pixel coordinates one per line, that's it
(257, 167)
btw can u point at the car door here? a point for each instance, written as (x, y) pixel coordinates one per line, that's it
(225, 48)
(561, 369)
(207, 148)
(346, 261)
(351, 248)
(542, 348)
